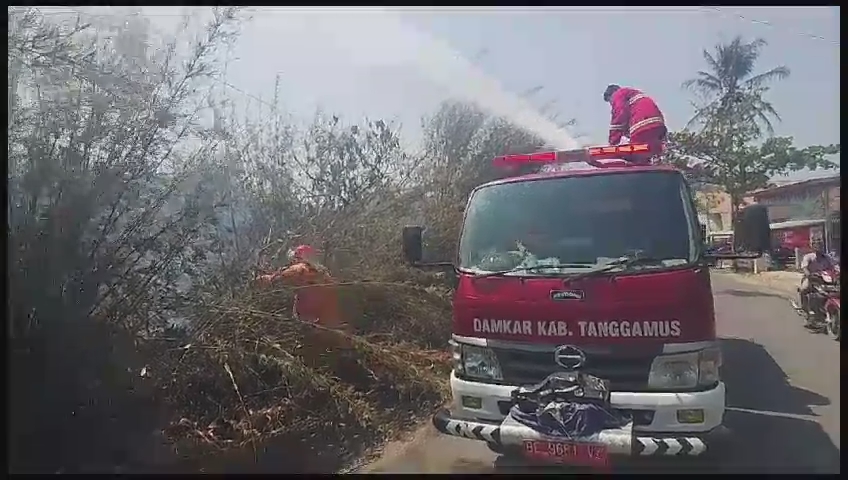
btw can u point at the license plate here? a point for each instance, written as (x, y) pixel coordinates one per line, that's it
(582, 454)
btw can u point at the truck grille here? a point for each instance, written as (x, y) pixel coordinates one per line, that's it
(640, 417)
(626, 370)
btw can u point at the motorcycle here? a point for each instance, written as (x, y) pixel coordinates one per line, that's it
(823, 305)
(833, 317)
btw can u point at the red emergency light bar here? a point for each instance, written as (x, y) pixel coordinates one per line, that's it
(589, 155)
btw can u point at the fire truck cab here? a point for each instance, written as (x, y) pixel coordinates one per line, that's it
(601, 270)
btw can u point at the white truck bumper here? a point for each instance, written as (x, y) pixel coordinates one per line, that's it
(656, 430)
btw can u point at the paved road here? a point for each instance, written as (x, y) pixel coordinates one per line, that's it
(783, 394)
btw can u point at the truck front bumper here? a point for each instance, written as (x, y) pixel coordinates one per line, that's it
(509, 434)
(656, 430)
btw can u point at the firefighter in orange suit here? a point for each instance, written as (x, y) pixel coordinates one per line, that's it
(316, 299)
(637, 116)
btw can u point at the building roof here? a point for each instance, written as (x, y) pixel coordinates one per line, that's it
(830, 180)
(796, 223)
(778, 226)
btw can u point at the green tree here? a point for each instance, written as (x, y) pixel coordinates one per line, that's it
(739, 167)
(732, 111)
(730, 81)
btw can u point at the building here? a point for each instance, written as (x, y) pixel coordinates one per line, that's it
(713, 208)
(814, 202)
(803, 200)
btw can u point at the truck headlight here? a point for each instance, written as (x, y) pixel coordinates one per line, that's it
(456, 357)
(475, 362)
(685, 370)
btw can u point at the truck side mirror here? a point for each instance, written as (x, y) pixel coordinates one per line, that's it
(752, 231)
(413, 244)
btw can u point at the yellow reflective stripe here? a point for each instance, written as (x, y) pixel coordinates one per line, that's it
(636, 98)
(647, 121)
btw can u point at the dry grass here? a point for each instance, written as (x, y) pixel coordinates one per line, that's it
(254, 380)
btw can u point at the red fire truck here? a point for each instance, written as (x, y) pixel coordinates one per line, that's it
(600, 270)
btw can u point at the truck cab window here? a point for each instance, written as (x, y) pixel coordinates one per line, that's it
(578, 220)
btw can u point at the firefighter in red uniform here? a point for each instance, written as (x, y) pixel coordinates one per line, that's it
(637, 116)
(316, 299)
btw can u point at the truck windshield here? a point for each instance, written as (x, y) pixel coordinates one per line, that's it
(579, 222)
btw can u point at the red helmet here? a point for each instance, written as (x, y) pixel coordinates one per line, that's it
(302, 252)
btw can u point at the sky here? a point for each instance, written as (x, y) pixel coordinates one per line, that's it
(399, 65)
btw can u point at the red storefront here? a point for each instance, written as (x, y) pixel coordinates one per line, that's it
(817, 197)
(798, 233)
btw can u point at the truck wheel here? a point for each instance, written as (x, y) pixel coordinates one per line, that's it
(495, 448)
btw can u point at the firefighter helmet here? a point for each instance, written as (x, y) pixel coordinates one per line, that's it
(302, 252)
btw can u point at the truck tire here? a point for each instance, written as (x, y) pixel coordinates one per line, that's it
(495, 448)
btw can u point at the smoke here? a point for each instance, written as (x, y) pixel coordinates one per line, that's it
(403, 44)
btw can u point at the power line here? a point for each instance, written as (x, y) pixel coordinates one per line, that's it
(718, 10)
(91, 14)
(75, 11)
(721, 11)
(237, 89)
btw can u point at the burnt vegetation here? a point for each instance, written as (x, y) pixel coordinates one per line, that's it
(140, 207)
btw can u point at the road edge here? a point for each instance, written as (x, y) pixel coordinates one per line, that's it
(393, 448)
(750, 279)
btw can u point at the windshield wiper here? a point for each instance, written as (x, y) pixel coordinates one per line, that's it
(623, 262)
(533, 268)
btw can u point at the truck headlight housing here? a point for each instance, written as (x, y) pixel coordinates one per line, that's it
(685, 370)
(475, 362)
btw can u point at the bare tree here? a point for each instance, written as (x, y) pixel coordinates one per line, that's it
(101, 222)
(460, 143)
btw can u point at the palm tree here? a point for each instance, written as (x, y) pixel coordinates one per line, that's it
(731, 82)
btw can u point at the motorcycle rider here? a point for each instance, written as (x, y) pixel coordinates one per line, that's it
(812, 263)
(636, 115)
